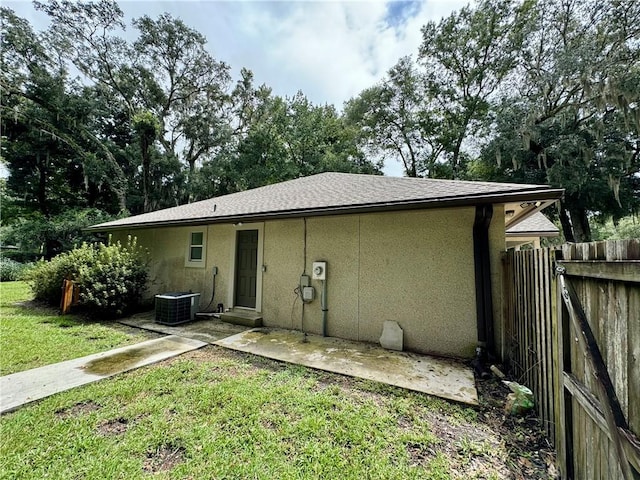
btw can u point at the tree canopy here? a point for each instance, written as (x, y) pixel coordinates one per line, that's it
(145, 124)
(535, 91)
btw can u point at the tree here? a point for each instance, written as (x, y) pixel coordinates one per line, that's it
(49, 236)
(466, 58)
(575, 122)
(44, 119)
(184, 86)
(147, 130)
(394, 119)
(290, 137)
(166, 72)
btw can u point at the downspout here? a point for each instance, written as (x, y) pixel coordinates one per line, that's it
(304, 272)
(484, 299)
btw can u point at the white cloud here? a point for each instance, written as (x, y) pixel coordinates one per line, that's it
(331, 50)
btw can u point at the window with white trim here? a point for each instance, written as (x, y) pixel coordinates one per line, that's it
(196, 250)
(196, 246)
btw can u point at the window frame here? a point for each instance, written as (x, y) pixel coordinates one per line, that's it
(189, 261)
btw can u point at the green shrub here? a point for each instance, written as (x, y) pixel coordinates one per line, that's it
(115, 279)
(46, 277)
(10, 270)
(111, 277)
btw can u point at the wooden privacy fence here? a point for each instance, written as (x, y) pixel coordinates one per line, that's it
(529, 330)
(572, 334)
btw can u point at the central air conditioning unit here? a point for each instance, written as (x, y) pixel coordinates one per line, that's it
(176, 307)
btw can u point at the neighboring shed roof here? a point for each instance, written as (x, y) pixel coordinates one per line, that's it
(536, 225)
(332, 193)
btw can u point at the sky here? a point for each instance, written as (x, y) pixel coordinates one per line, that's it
(329, 50)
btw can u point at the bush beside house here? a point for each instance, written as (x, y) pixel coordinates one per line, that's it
(111, 277)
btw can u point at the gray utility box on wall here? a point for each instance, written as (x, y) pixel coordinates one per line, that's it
(176, 307)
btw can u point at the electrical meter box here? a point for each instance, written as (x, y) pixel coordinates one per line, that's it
(308, 294)
(319, 271)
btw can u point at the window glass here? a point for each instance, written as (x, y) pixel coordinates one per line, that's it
(196, 238)
(196, 247)
(196, 253)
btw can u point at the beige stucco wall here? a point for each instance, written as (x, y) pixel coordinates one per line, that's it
(414, 267)
(417, 269)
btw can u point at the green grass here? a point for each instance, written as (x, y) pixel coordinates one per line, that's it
(228, 415)
(214, 413)
(32, 335)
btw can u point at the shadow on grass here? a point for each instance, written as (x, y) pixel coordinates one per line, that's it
(78, 317)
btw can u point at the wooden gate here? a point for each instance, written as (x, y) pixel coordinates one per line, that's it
(581, 356)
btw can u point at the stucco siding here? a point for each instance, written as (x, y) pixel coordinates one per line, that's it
(283, 259)
(335, 240)
(414, 267)
(220, 240)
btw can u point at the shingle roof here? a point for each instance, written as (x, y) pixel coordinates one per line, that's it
(331, 193)
(537, 224)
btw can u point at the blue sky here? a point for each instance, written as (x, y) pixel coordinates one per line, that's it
(331, 50)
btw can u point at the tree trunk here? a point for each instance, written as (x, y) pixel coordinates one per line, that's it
(146, 166)
(455, 166)
(42, 184)
(567, 228)
(413, 172)
(580, 222)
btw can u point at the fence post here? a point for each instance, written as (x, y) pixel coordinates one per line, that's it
(564, 406)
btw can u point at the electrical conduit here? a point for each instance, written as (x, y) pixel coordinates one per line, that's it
(323, 305)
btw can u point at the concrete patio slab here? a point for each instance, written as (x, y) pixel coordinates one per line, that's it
(21, 388)
(208, 330)
(440, 377)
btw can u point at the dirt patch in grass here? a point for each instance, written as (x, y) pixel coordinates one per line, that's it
(115, 426)
(268, 424)
(471, 449)
(531, 455)
(164, 458)
(352, 386)
(482, 442)
(81, 408)
(420, 454)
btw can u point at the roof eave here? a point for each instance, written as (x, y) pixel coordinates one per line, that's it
(545, 196)
(533, 233)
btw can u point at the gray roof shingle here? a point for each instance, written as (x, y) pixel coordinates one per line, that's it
(330, 193)
(536, 224)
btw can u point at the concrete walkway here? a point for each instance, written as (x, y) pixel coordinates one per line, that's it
(21, 388)
(441, 377)
(208, 330)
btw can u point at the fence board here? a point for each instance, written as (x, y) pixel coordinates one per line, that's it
(633, 359)
(540, 347)
(538, 331)
(531, 325)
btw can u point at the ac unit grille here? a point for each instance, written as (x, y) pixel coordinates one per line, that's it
(176, 307)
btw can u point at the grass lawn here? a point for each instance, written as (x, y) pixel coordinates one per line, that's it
(214, 413)
(34, 335)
